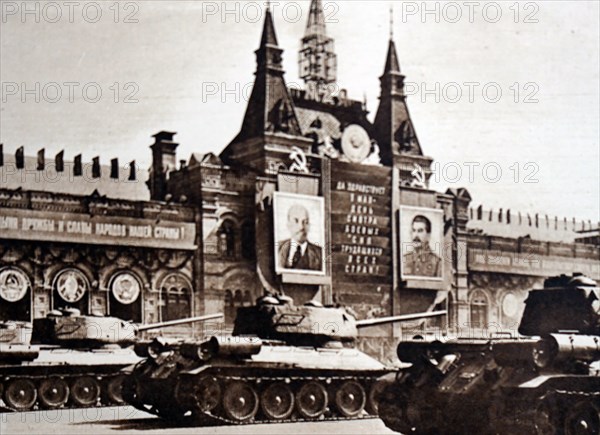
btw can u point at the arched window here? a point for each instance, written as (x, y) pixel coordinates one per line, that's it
(242, 289)
(248, 240)
(479, 309)
(226, 235)
(175, 297)
(229, 309)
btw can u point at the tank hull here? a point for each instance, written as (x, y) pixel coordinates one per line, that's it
(279, 383)
(476, 388)
(62, 378)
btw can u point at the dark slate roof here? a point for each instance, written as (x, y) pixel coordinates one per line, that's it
(391, 62)
(268, 34)
(330, 125)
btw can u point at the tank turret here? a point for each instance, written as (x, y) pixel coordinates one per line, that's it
(545, 380)
(68, 327)
(566, 303)
(311, 324)
(283, 362)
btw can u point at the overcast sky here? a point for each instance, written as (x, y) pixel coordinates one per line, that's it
(188, 66)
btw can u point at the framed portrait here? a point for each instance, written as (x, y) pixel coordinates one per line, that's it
(299, 225)
(421, 243)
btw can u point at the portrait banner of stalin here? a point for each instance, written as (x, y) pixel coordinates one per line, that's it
(421, 233)
(299, 234)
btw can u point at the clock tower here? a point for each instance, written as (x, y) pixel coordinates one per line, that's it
(317, 60)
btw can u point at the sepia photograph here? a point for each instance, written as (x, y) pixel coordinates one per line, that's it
(300, 217)
(300, 233)
(421, 242)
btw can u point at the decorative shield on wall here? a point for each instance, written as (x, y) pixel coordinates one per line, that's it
(126, 288)
(71, 285)
(13, 285)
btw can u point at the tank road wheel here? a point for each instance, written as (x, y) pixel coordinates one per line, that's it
(350, 399)
(114, 390)
(53, 393)
(240, 401)
(582, 419)
(547, 419)
(311, 400)
(20, 394)
(374, 397)
(130, 392)
(207, 393)
(277, 401)
(85, 391)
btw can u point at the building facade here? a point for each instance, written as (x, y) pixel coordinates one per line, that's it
(310, 199)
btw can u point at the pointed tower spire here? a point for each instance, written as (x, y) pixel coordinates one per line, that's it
(315, 25)
(270, 108)
(395, 132)
(317, 58)
(391, 63)
(391, 21)
(268, 35)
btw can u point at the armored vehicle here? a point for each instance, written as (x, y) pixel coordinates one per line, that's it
(283, 363)
(67, 359)
(544, 380)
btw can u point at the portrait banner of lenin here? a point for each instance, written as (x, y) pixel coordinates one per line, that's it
(421, 243)
(299, 233)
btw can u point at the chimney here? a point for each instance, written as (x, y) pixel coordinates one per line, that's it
(164, 160)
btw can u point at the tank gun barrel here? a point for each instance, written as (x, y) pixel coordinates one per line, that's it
(400, 318)
(179, 322)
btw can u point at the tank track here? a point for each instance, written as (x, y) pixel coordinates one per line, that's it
(83, 390)
(568, 412)
(218, 416)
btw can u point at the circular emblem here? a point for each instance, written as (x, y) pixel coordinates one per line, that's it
(126, 288)
(13, 285)
(356, 144)
(510, 305)
(71, 285)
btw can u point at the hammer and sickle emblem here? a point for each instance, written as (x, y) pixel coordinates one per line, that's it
(299, 161)
(419, 175)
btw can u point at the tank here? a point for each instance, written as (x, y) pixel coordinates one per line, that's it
(543, 380)
(68, 360)
(283, 362)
